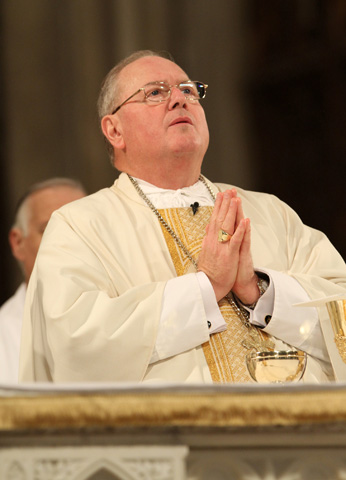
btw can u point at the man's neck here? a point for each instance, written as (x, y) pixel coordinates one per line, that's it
(168, 183)
(173, 177)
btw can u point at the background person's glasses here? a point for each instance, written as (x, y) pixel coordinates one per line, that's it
(157, 92)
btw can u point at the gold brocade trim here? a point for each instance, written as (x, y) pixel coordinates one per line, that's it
(224, 353)
(224, 409)
(340, 341)
(190, 229)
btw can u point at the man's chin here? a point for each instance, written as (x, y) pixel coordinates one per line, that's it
(186, 144)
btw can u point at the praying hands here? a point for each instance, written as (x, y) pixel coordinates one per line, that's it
(226, 259)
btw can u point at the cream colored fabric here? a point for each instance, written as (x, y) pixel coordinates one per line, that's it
(11, 317)
(94, 298)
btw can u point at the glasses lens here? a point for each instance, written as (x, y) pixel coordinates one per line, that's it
(160, 91)
(201, 88)
(190, 90)
(156, 92)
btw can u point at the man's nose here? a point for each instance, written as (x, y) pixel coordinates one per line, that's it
(176, 99)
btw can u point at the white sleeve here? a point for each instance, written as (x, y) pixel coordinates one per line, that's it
(276, 314)
(185, 324)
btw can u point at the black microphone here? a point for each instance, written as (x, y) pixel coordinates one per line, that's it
(194, 207)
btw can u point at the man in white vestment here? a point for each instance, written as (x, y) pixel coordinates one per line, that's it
(165, 276)
(33, 212)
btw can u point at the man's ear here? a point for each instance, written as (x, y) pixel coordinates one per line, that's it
(16, 239)
(111, 129)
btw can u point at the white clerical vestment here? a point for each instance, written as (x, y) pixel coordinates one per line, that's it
(103, 274)
(11, 317)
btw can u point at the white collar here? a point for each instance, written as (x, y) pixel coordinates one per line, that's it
(183, 197)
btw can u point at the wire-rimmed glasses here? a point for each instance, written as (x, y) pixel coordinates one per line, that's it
(157, 92)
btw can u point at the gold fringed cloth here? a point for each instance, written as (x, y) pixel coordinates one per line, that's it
(224, 352)
(220, 406)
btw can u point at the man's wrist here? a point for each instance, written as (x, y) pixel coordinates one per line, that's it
(262, 285)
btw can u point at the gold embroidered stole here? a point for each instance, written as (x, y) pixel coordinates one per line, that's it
(224, 352)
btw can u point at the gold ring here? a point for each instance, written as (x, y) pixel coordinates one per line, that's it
(223, 236)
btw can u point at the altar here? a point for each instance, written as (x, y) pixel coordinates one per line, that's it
(171, 432)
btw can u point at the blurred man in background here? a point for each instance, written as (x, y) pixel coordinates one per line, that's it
(32, 215)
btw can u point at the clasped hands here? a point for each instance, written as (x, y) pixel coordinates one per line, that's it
(228, 264)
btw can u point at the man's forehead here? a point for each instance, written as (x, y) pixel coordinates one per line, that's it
(48, 199)
(58, 190)
(150, 69)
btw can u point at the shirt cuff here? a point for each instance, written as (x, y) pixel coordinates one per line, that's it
(263, 311)
(183, 323)
(216, 322)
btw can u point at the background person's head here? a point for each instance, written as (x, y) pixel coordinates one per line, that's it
(33, 213)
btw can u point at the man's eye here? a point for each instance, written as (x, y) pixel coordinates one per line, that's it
(189, 90)
(154, 93)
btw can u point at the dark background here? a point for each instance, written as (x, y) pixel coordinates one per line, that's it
(276, 103)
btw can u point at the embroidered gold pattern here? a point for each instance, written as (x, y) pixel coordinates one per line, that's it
(224, 352)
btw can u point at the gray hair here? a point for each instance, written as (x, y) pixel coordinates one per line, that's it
(22, 210)
(109, 94)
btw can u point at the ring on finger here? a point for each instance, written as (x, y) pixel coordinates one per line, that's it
(223, 236)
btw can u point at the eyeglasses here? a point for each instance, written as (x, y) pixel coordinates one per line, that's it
(156, 92)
